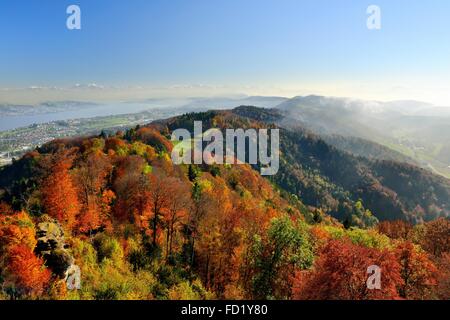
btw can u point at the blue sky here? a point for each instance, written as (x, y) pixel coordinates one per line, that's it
(247, 46)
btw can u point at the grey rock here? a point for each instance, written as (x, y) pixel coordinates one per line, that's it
(52, 248)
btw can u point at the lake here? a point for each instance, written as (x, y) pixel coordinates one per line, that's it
(88, 111)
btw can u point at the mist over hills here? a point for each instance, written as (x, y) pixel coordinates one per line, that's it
(409, 127)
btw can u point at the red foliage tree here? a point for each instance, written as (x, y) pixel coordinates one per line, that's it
(436, 239)
(395, 229)
(341, 273)
(5, 209)
(91, 177)
(443, 288)
(130, 187)
(153, 138)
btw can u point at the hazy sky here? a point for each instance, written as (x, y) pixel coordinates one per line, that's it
(142, 48)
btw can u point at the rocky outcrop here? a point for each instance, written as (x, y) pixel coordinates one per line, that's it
(52, 248)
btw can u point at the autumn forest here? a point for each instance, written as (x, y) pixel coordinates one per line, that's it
(114, 211)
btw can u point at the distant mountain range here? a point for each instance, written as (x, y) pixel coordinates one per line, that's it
(188, 103)
(45, 107)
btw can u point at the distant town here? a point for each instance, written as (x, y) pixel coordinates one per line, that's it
(15, 143)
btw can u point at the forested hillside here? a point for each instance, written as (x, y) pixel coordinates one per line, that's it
(139, 227)
(365, 148)
(334, 180)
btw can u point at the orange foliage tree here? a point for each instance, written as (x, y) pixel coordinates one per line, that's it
(217, 235)
(59, 195)
(25, 273)
(89, 219)
(144, 197)
(160, 199)
(417, 271)
(175, 214)
(16, 229)
(106, 201)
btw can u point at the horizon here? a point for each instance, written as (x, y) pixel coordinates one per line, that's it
(159, 48)
(144, 98)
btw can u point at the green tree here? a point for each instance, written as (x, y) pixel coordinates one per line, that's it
(285, 249)
(193, 173)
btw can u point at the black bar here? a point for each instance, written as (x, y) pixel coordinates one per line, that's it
(224, 309)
